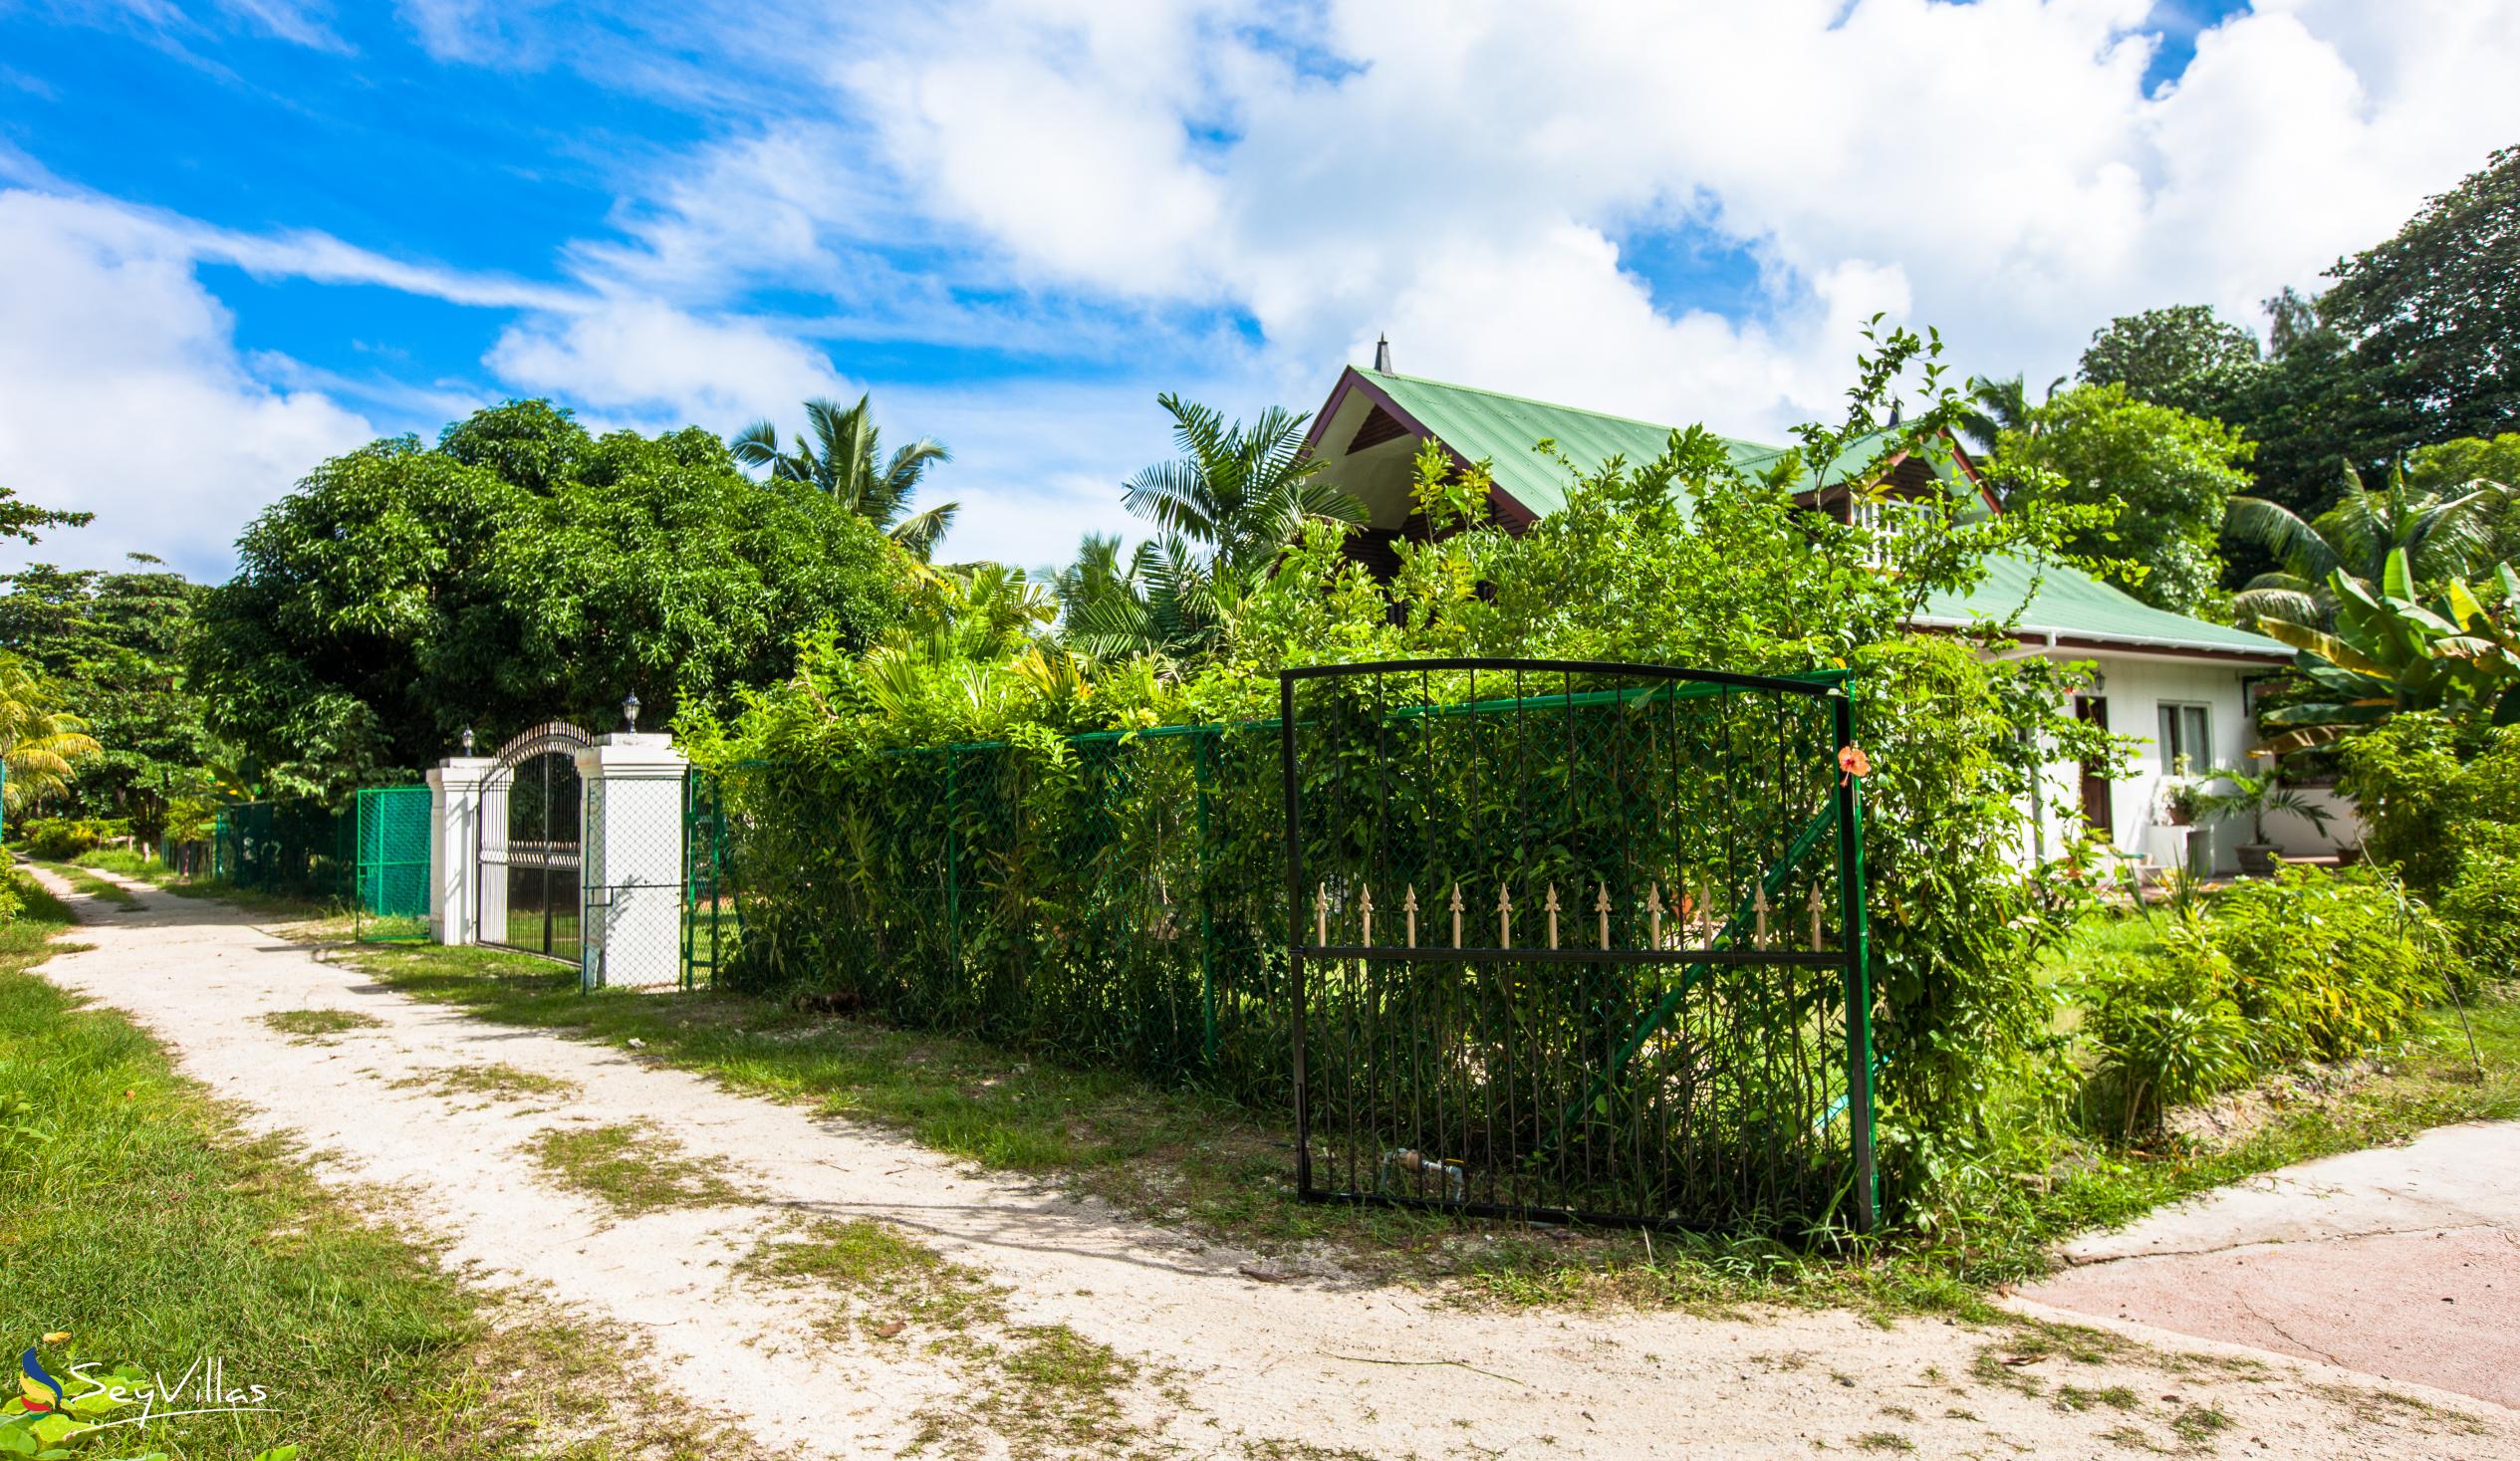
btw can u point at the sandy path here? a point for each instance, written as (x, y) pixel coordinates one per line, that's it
(1348, 1369)
(2398, 1261)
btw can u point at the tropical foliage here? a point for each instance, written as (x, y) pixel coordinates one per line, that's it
(2442, 538)
(842, 455)
(1683, 558)
(41, 745)
(2457, 651)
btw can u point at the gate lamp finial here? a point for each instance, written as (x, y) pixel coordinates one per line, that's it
(467, 740)
(629, 711)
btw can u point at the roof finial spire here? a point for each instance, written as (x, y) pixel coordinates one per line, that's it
(1382, 355)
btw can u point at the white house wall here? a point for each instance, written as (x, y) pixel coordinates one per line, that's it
(2135, 688)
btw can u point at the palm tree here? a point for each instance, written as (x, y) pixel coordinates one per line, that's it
(1997, 407)
(39, 740)
(1166, 602)
(2443, 538)
(1240, 495)
(843, 457)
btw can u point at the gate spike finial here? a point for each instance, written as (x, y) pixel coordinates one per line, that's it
(1601, 907)
(1815, 906)
(1410, 906)
(1759, 908)
(1320, 915)
(1552, 906)
(1456, 915)
(1365, 906)
(1653, 915)
(1504, 918)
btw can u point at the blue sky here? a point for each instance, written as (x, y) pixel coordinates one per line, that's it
(249, 233)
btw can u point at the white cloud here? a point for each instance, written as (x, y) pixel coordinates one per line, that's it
(650, 360)
(1458, 177)
(121, 392)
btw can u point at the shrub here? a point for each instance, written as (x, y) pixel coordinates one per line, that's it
(2430, 792)
(2482, 912)
(64, 839)
(2167, 1029)
(2306, 966)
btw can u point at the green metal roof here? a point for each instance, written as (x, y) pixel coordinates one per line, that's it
(2072, 605)
(1502, 430)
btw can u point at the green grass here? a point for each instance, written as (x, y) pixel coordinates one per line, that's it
(497, 1079)
(319, 1024)
(1223, 1172)
(135, 1217)
(89, 883)
(633, 1169)
(129, 864)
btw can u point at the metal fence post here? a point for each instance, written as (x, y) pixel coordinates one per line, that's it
(1294, 933)
(1851, 922)
(1207, 905)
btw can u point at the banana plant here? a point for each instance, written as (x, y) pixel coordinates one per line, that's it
(2457, 651)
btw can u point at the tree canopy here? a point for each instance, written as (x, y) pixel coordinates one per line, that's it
(110, 646)
(2173, 473)
(520, 569)
(2183, 356)
(2431, 313)
(843, 457)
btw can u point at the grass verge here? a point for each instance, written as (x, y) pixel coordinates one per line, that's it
(1224, 1172)
(89, 883)
(134, 1217)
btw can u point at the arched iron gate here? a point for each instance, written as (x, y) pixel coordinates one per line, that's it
(1578, 940)
(530, 854)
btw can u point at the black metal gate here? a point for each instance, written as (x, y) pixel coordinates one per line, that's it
(529, 852)
(1579, 940)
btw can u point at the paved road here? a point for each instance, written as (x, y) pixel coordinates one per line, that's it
(2402, 1262)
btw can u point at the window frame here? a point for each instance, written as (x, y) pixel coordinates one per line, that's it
(2169, 735)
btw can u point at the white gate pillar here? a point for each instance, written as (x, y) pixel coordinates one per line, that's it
(633, 875)
(454, 807)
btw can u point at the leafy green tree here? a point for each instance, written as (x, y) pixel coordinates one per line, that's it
(24, 520)
(520, 569)
(110, 644)
(1239, 495)
(2171, 474)
(2184, 357)
(42, 744)
(2441, 537)
(2432, 314)
(843, 456)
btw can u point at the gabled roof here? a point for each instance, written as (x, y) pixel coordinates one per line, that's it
(2065, 604)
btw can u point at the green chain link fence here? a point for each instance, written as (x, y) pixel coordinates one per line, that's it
(302, 849)
(392, 865)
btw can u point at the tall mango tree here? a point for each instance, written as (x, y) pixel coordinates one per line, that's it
(2457, 650)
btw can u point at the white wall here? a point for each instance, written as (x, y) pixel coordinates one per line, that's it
(2136, 687)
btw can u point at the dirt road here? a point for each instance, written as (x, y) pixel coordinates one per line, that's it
(455, 1119)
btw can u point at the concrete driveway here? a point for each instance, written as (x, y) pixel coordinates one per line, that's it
(2400, 1262)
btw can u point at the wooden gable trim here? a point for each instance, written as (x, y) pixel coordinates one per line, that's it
(1509, 510)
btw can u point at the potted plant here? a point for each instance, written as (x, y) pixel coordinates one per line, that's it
(2178, 802)
(2253, 796)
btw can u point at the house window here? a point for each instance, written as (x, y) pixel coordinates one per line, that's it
(2188, 741)
(1881, 519)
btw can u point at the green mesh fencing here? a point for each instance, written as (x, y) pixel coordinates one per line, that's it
(301, 850)
(392, 863)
